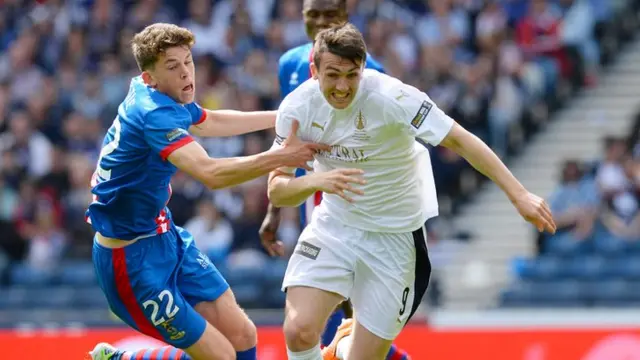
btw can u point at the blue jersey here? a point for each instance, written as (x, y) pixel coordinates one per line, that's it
(131, 184)
(293, 70)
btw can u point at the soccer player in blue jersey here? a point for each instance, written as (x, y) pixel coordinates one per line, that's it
(293, 71)
(152, 274)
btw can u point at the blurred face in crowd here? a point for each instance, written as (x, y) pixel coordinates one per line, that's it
(20, 126)
(321, 14)
(571, 172)
(173, 74)
(339, 79)
(616, 149)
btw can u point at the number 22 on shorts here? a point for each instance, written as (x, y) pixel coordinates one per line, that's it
(170, 309)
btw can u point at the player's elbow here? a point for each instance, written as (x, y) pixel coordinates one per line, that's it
(275, 195)
(212, 177)
(276, 192)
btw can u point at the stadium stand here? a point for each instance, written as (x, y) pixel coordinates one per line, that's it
(594, 259)
(65, 65)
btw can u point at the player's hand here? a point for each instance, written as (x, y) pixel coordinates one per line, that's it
(339, 182)
(268, 231)
(300, 153)
(536, 211)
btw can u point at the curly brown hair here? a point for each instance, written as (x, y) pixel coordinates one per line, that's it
(155, 39)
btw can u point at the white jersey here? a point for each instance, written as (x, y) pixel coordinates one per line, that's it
(376, 133)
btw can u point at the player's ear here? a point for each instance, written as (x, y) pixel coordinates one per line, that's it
(148, 79)
(314, 70)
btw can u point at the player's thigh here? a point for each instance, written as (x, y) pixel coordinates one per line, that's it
(390, 281)
(367, 345)
(139, 283)
(322, 259)
(203, 286)
(319, 276)
(227, 317)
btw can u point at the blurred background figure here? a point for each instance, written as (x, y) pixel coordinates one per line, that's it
(551, 85)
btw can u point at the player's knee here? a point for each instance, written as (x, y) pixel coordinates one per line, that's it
(301, 332)
(244, 338)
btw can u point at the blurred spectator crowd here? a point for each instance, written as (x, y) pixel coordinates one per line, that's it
(594, 258)
(499, 67)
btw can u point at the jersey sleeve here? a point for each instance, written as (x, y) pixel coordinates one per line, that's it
(283, 69)
(284, 120)
(416, 113)
(198, 115)
(165, 130)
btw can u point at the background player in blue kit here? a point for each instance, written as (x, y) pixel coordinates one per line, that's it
(293, 71)
(152, 274)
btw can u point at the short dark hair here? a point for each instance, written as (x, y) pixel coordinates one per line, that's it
(344, 41)
(340, 4)
(155, 39)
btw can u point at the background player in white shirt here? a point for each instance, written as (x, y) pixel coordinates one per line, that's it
(366, 240)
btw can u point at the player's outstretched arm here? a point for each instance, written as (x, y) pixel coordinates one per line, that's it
(285, 190)
(532, 208)
(220, 173)
(220, 123)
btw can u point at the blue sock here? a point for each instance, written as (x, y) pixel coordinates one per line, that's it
(250, 354)
(332, 327)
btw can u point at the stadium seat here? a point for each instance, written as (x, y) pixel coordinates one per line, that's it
(562, 293)
(91, 298)
(77, 273)
(544, 267)
(606, 291)
(273, 298)
(628, 267)
(517, 295)
(274, 273)
(587, 267)
(567, 292)
(565, 245)
(54, 297)
(633, 291)
(247, 294)
(13, 297)
(633, 247)
(23, 274)
(609, 246)
(242, 276)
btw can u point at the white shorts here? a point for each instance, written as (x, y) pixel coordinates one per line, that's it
(384, 274)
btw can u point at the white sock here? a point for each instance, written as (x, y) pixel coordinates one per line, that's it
(312, 354)
(343, 347)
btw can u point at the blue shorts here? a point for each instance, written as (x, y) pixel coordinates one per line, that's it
(154, 283)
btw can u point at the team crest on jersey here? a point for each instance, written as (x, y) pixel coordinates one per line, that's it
(361, 124)
(422, 114)
(360, 121)
(293, 81)
(176, 133)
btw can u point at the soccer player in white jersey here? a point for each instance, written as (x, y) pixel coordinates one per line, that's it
(366, 240)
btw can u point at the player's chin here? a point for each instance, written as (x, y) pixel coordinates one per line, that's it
(339, 102)
(187, 96)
